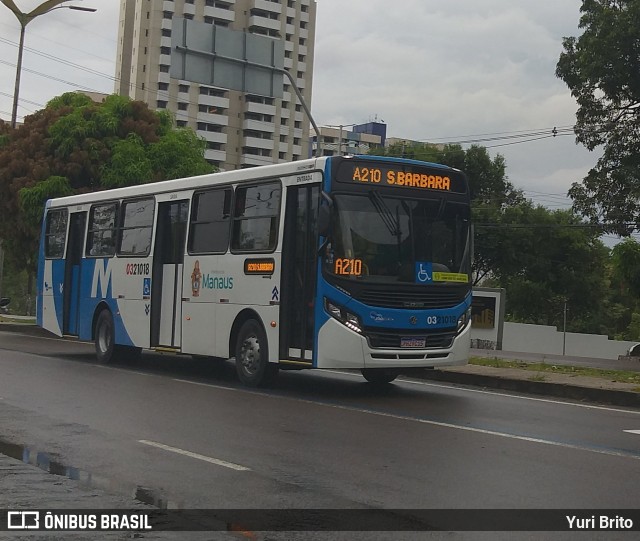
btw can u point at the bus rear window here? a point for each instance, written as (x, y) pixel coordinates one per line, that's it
(55, 234)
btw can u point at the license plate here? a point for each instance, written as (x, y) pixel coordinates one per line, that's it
(413, 342)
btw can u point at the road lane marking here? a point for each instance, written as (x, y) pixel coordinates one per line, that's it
(197, 456)
(609, 452)
(632, 431)
(496, 393)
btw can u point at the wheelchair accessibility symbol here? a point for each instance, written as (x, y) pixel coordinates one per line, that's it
(424, 272)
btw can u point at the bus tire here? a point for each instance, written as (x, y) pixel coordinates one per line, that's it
(252, 356)
(379, 376)
(104, 337)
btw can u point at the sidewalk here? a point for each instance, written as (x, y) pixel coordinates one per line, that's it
(591, 389)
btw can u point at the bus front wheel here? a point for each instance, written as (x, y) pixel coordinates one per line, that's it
(379, 375)
(252, 356)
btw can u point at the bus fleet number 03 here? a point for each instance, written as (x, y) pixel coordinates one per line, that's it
(442, 320)
(136, 269)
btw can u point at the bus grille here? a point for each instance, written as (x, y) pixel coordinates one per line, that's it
(416, 298)
(391, 339)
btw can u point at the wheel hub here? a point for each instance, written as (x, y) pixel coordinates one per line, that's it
(250, 354)
(104, 338)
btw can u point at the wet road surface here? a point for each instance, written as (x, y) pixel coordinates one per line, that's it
(183, 433)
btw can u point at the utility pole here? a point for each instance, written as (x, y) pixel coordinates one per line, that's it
(340, 127)
(564, 328)
(1, 266)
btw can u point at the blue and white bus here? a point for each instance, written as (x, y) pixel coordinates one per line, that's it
(337, 262)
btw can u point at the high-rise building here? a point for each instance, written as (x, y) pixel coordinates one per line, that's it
(241, 130)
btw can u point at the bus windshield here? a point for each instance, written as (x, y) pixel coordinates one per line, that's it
(385, 239)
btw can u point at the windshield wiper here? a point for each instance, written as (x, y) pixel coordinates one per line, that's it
(391, 223)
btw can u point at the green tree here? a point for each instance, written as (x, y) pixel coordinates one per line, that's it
(602, 70)
(75, 145)
(625, 287)
(625, 258)
(556, 258)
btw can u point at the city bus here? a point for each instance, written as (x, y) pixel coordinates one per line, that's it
(356, 262)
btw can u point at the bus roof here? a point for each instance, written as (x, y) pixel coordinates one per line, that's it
(216, 179)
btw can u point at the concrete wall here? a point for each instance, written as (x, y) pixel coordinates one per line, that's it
(487, 319)
(525, 338)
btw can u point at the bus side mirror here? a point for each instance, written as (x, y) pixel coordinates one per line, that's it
(4, 302)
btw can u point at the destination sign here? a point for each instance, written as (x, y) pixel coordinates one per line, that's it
(401, 176)
(259, 266)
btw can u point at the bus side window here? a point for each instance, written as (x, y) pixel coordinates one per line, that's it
(137, 223)
(55, 234)
(101, 239)
(255, 222)
(210, 222)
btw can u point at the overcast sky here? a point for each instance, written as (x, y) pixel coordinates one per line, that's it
(439, 71)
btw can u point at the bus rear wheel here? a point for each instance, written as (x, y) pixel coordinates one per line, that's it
(379, 376)
(104, 337)
(252, 356)
(106, 349)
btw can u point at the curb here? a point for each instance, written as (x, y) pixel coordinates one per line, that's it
(560, 390)
(26, 328)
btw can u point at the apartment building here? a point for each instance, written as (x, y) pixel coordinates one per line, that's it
(340, 141)
(241, 130)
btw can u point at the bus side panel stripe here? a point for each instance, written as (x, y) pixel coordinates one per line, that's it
(103, 289)
(50, 320)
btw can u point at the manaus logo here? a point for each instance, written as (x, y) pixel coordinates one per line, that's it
(196, 278)
(217, 282)
(208, 281)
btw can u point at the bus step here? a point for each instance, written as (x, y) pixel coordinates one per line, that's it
(299, 363)
(166, 350)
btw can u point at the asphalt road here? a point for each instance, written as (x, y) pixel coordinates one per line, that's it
(183, 433)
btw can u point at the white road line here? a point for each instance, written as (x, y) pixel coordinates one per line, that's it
(197, 456)
(608, 452)
(496, 393)
(632, 431)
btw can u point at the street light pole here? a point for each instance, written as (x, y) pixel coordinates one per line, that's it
(564, 328)
(24, 19)
(16, 88)
(340, 127)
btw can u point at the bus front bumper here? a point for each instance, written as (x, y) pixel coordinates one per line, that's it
(340, 347)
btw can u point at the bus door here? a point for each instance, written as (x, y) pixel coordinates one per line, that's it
(298, 277)
(71, 287)
(166, 278)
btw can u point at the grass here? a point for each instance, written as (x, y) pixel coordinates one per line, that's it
(623, 376)
(6, 318)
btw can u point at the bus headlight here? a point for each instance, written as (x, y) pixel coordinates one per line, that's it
(343, 316)
(464, 319)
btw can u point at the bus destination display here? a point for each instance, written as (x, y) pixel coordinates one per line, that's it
(400, 176)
